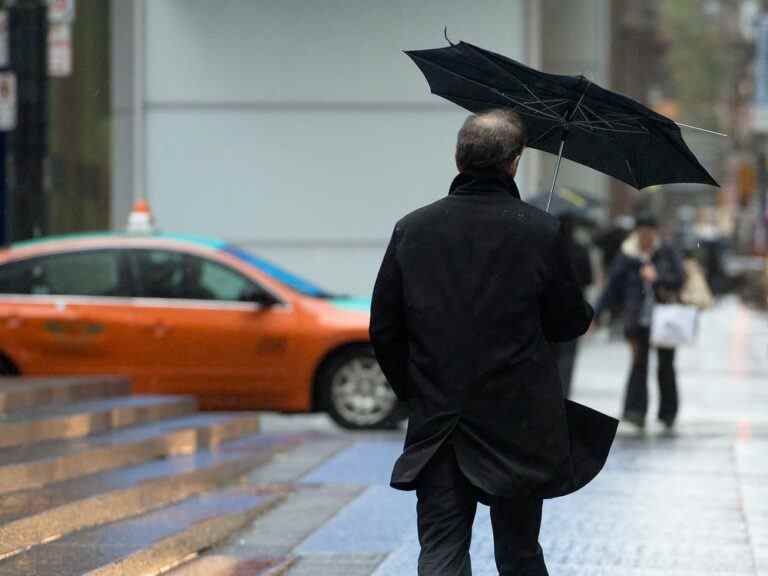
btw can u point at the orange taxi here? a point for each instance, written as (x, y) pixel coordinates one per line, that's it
(192, 316)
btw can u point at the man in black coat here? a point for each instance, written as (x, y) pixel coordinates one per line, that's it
(470, 290)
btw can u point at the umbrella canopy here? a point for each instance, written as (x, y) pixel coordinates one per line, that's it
(568, 115)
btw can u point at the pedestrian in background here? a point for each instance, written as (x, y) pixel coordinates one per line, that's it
(645, 272)
(567, 352)
(608, 242)
(696, 291)
(470, 290)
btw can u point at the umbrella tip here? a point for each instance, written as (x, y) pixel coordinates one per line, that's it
(445, 33)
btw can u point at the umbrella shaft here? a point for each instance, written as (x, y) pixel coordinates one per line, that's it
(557, 171)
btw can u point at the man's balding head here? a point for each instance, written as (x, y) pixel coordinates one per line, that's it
(490, 142)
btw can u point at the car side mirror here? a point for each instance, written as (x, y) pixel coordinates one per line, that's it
(260, 297)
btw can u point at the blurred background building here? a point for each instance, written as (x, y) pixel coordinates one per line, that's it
(301, 130)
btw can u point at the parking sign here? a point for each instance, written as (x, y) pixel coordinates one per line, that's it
(8, 101)
(4, 50)
(60, 50)
(61, 11)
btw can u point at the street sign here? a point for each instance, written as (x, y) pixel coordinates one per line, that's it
(59, 50)
(8, 101)
(61, 11)
(5, 59)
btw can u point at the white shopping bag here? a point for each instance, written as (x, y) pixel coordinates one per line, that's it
(673, 325)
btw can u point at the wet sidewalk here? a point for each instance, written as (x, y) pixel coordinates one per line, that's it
(692, 504)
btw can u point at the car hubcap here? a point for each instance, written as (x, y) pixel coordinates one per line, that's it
(360, 392)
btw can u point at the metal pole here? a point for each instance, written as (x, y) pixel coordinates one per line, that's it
(760, 236)
(3, 194)
(557, 171)
(139, 71)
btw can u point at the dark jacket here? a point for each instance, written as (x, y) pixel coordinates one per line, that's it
(580, 258)
(582, 265)
(470, 289)
(626, 288)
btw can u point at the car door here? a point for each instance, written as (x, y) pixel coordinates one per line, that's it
(67, 313)
(201, 337)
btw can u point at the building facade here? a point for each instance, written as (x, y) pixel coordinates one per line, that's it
(299, 130)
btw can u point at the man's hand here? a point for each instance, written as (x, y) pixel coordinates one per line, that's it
(648, 273)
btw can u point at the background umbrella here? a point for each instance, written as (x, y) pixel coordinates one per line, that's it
(566, 201)
(566, 115)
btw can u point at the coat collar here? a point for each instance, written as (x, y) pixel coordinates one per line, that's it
(483, 184)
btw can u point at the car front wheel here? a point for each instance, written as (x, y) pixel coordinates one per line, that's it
(356, 392)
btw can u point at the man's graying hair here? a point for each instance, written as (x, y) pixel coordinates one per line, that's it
(489, 141)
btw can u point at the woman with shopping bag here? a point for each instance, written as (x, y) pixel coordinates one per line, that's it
(676, 324)
(645, 274)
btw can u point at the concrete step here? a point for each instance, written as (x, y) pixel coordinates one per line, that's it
(228, 566)
(86, 418)
(29, 517)
(149, 544)
(36, 465)
(26, 393)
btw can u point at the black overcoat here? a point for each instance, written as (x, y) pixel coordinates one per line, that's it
(470, 289)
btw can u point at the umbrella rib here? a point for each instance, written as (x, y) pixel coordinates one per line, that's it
(523, 104)
(583, 115)
(632, 173)
(591, 127)
(500, 93)
(613, 118)
(581, 99)
(609, 133)
(492, 89)
(629, 166)
(617, 119)
(588, 124)
(532, 111)
(497, 66)
(552, 103)
(544, 134)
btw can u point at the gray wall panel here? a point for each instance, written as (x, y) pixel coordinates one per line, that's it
(300, 128)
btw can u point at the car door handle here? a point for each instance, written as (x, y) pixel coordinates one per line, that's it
(13, 321)
(159, 329)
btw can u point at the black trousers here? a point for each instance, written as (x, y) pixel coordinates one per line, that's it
(446, 511)
(636, 399)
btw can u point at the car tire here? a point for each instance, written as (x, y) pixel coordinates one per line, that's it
(7, 368)
(355, 393)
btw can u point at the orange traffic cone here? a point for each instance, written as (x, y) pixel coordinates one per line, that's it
(140, 220)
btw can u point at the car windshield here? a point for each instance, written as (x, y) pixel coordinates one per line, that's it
(286, 278)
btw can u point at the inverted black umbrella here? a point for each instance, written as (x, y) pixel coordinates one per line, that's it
(566, 115)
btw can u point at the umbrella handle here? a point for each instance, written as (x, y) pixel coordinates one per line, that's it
(557, 170)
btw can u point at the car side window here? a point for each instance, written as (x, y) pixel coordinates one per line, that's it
(89, 273)
(217, 281)
(16, 278)
(160, 273)
(168, 274)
